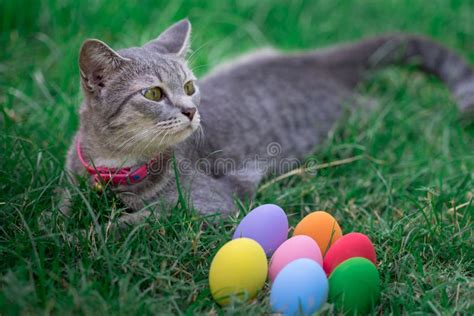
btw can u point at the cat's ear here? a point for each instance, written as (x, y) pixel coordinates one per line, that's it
(97, 62)
(174, 40)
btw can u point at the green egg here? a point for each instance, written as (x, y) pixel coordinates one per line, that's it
(354, 286)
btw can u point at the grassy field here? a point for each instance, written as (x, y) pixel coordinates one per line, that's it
(412, 192)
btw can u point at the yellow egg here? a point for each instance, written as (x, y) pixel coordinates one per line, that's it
(238, 271)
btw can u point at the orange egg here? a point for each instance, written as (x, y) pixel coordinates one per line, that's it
(320, 226)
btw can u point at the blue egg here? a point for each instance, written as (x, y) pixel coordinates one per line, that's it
(301, 288)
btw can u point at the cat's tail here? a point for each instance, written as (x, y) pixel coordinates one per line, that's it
(429, 55)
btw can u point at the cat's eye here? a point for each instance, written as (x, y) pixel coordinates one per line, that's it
(154, 93)
(189, 88)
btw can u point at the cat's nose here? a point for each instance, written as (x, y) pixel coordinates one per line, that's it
(189, 113)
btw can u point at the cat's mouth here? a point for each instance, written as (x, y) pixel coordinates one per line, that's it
(181, 129)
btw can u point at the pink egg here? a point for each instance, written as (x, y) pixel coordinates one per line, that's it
(296, 247)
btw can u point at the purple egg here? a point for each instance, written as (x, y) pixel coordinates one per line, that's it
(267, 225)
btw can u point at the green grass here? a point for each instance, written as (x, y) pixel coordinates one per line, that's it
(403, 198)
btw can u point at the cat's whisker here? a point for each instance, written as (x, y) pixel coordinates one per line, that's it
(162, 138)
(165, 129)
(193, 54)
(200, 135)
(132, 139)
(167, 122)
(141, 133)
(200, 66)
(151, 141)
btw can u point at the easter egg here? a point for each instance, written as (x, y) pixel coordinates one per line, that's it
(301, 288)
(267, 225)
(346, 247)
(320, 226)
(296, 247)
(354, 286)
(238, 271)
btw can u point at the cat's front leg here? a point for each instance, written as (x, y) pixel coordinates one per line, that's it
(132, 219)
(205, 193)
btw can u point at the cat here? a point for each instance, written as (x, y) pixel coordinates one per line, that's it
(148, 127)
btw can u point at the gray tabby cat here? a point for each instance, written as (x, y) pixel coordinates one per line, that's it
(144, 103)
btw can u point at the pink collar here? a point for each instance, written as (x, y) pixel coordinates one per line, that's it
(122, 176)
